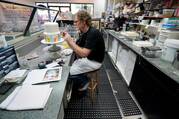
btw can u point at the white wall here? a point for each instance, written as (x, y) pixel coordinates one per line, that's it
(99, 5)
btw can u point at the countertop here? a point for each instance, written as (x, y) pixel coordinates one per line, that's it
(55, 101)
(52, 108)
(163, 66)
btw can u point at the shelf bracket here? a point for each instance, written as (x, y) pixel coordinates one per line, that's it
(26, 32)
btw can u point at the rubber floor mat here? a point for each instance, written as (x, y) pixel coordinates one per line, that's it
(126, 102)
(104, 106)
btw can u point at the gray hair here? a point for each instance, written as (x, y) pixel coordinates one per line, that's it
(83, 15)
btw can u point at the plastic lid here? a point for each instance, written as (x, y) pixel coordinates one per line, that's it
(174, 43)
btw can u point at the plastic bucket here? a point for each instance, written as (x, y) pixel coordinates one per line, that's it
(169, 50)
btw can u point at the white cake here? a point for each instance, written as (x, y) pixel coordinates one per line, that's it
(51, 27)
(52, 33)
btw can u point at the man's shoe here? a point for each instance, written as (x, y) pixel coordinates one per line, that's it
(84, 87)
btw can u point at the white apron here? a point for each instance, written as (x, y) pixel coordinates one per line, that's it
(84, 65)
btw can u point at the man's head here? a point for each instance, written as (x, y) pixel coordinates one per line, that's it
(82, 20)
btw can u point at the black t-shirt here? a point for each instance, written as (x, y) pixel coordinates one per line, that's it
(93, 40)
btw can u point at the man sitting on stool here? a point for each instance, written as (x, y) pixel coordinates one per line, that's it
(89, 50)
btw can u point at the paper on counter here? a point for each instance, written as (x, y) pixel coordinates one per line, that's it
(35, 76)
(27, 97)
(43, 75)
(15, 73)
(9, 99)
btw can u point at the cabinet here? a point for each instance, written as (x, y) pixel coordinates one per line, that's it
(18, 20)
(156, 93)
(122, 57)
(105, 36)
(8, 61)
(153, 82)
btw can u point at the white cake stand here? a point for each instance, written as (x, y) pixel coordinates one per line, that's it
(54, 50)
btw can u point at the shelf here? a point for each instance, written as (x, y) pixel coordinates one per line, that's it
(146, 2)
(158, 9)
(152, 26)
(143, 24)
(153, 10)
(138, 13)
(160, 17)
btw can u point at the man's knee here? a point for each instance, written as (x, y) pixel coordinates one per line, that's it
(78, 79)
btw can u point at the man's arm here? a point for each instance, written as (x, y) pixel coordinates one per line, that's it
(82, 52)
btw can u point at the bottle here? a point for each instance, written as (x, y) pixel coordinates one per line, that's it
(61, 24)
(124, 27)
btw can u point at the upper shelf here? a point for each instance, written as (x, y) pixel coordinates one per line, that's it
(160, 17)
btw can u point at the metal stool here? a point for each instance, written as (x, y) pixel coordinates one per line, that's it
(93, 83)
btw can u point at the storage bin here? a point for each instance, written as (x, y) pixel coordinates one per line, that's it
(168, 12)
(169, 50)
(166, 34)
(169, 26)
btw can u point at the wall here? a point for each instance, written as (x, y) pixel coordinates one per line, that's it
(99, 5)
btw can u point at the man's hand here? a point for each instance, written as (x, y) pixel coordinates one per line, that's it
(67, 37)
(82, 52)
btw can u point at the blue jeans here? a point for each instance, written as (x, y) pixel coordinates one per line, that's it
(78, 80)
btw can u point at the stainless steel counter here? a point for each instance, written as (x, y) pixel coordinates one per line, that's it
(54, 108)
(153, 82)
(160, 64)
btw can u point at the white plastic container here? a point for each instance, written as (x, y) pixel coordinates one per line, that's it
(166, 34)
(169, 50)
(145, 22)
(168, 12)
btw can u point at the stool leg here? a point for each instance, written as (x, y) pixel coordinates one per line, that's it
(92, 91)
(93, 86)
(97, 81)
